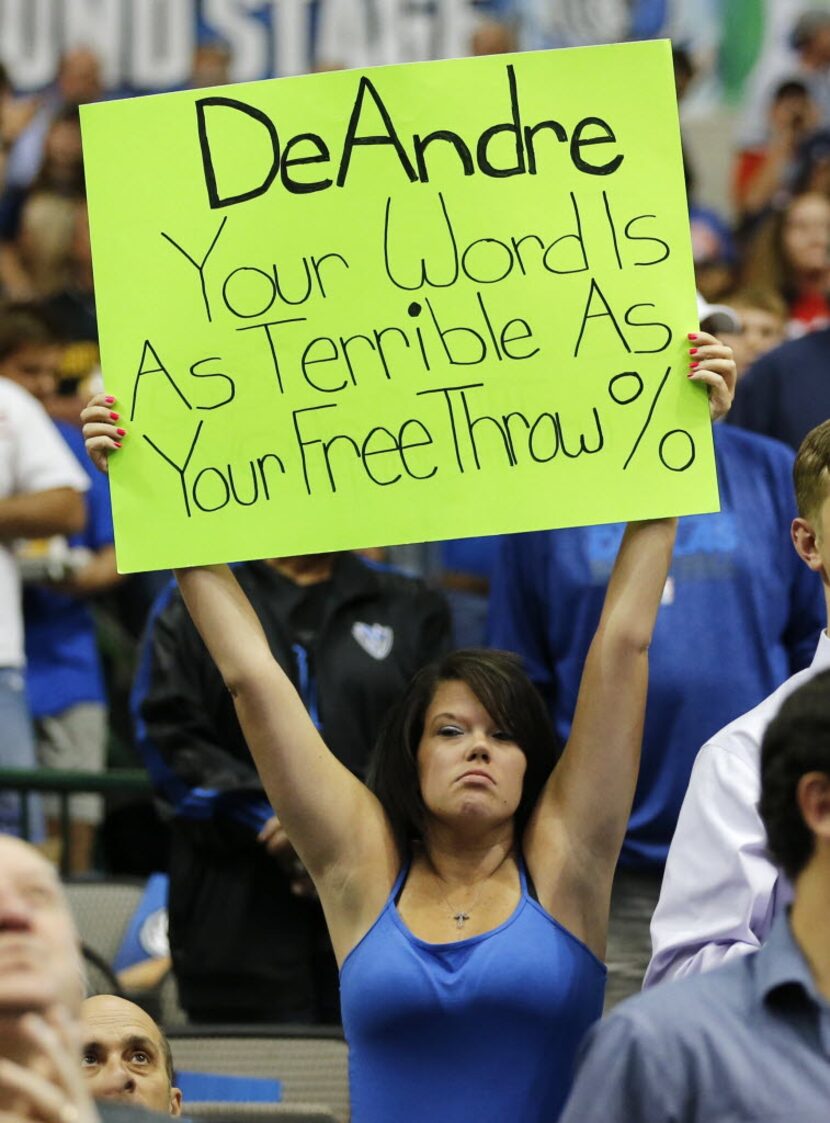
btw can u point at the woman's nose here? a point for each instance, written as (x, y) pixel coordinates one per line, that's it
(479, 747)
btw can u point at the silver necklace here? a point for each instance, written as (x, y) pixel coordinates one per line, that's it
(461, 916)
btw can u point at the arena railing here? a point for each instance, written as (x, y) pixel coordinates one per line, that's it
(64, 784)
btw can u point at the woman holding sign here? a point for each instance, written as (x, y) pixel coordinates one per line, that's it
(467, 888)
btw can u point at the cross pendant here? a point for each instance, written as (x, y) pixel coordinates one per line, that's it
(461, 919)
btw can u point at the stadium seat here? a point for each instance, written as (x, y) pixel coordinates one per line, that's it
(102, 911)
(214, 1112)
(310, 1062)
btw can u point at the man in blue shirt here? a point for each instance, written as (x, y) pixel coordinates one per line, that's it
(740, 614)
(787, 391)
(750, 1040)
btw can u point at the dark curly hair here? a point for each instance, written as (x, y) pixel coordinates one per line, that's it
(797, 741)
(498, 681)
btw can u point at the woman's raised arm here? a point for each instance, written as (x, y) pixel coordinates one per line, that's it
(575, 835)
(336, 825)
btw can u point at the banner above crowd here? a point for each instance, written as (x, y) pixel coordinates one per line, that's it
(377, 307)
(152, 45)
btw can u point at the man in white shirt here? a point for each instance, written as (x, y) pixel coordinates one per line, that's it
(41, 486)
(720, 891)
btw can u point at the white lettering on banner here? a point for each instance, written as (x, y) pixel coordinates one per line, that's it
(29, 38)
(98, 24)
(246, 37)
(290, 35)
(149, 44)
(163, 37)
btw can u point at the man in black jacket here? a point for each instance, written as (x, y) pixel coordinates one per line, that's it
(246, 934)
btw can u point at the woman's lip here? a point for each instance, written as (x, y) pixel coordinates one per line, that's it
(476, 774)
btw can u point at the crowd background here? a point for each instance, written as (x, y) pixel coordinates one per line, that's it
(753, 84)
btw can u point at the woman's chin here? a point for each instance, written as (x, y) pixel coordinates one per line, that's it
(478, 809)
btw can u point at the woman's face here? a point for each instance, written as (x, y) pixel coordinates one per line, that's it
(468, 767)
(806, 234)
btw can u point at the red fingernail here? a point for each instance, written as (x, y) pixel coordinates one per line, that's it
(693, 350)
(114, 416)
(117, 444)
(121, 432)
(110, 401)
(692, 335)
(693, 365)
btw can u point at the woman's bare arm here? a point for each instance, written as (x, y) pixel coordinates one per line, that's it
(576, 832)
(327, 812)
(334, 822)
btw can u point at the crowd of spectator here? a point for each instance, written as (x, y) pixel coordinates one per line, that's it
(99, 671)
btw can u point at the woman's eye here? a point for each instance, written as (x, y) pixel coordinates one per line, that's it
(88, 1059)
(448, 731)
(502, 735)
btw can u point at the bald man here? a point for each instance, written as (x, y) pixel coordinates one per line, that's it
(125, 1055)
(41, 991)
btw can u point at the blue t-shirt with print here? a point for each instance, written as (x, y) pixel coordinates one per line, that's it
(63, 663)
(740, 613)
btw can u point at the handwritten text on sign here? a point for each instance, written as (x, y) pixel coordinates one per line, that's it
(410, 303)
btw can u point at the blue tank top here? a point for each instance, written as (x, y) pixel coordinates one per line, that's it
(484, 1029)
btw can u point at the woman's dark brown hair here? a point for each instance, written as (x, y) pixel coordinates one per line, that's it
(512, 701)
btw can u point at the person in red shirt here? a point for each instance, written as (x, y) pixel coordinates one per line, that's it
(761, 172)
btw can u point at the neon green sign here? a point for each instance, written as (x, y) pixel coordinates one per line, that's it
(416, 302)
